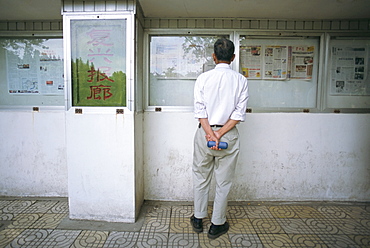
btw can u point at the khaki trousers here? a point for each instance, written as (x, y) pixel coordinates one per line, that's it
(207, 162)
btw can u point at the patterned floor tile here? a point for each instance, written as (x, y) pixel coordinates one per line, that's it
(361, 240)
(295, 226)
(48, 221)
(307, 212)
(90, 239)
(17, 206)
(258, 212)
(367, 208)
(183, 240)
(357, 212)
(333, 212)
(8, 235)
(151, 239)
(30, 238)
(159, 211)
(222, 241)
(210, 211)
(60, 238)
(23, 221)
(234, 212)
(29, 223)
(3, 204)
(241, 226)
(307, 240)
(365, 223)
(245, 240)
(121, 239)
(39, 207)
(182, 211)
(338, 241)
(324, 226)
(276, 240)
(206, 224)
(349, 226)
(153, 224)
(283, 212)
(266, 226)
(59, 208)
(181, 225)
(7, 216)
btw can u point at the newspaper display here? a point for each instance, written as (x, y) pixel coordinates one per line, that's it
(277, 62)
(251, 61)
(36, 70)
(348, 71)
(180, 57)
(302, 62)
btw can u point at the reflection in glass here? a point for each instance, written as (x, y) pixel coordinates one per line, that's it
(34, 66)
(98, 62)
(175, 63)
(282, 73)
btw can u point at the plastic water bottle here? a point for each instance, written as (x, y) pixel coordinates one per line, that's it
(221, 145)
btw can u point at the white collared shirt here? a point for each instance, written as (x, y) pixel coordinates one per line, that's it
(221, 94)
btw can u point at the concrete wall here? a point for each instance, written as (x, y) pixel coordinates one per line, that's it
(138, 119)
(284, 157)
(33, 153)
(101, 172)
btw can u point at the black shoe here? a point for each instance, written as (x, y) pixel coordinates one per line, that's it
(216, 231)
(197, 224)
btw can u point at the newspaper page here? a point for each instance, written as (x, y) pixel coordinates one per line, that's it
(349, 69)
(275, 62)
(302, 62)
(36, 69)
(251, 61)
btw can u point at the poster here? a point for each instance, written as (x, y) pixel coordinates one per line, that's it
(251, 61)
(275, 62)
(35, 66)
(302, 61)
(349, 69)
(98, 62)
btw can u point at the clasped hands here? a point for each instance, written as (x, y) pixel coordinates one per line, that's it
(215, 136)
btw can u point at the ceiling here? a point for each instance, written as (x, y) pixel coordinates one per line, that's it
(254, 9)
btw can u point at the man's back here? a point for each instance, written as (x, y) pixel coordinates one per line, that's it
(221, 90)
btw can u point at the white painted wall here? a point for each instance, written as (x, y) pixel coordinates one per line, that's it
(33, 153)
(284, 157)
(100, 158)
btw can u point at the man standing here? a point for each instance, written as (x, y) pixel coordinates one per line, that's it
(220, 102)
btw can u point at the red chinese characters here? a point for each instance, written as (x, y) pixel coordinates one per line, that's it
(100, 54)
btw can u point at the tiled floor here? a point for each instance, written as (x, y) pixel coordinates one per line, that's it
(45, 223)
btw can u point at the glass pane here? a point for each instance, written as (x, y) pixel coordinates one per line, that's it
(98, 62)
(33, 72)
(175, 63)
(282, 73)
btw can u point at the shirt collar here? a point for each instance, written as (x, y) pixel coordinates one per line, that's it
(222, 65)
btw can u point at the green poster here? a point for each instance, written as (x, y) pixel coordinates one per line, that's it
(98, 62)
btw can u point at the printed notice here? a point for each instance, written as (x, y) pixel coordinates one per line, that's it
(302, 61)
(348, 71)
(35, 67)
(275, 62)
(251, 61)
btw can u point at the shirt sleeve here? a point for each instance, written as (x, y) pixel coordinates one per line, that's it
(240, 110)
(199, 106)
